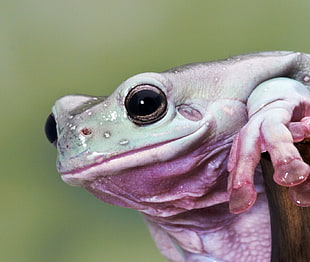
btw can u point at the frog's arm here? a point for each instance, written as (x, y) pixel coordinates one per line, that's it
(279, 116)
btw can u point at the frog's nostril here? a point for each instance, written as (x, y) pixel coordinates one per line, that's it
(50, 129)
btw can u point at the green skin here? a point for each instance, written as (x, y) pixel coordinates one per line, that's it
(191, 169)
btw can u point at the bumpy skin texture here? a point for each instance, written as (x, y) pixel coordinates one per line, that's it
(194, 172)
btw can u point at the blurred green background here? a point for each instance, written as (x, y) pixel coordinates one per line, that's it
(52, 48)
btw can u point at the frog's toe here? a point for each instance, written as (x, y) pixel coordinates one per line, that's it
(300, 194)
(289, 167)
(242, 198)
(300, 130)
(291, 173)
(244, 157)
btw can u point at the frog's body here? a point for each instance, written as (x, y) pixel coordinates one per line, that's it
(182, 147)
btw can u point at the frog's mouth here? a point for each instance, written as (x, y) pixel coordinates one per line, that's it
(146, 156)
(163, 179)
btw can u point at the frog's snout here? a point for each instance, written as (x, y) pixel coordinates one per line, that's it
(50, 129)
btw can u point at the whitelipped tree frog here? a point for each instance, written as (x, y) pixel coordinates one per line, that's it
(183, 147)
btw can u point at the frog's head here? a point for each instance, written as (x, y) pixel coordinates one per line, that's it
(145, 135)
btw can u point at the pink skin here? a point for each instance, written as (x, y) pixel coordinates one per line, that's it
(276, 121)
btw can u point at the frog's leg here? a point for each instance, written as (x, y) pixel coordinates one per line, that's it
(279, 115)
(164, 243)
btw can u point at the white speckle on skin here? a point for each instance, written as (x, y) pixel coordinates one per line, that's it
(94, 154)
(113, 116)
(123, 142)
(106, 134)
(83, 140)
(152, 199)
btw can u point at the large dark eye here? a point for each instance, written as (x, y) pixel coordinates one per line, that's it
(50, 129)
(145, 104)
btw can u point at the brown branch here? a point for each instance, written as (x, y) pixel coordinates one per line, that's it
(290, 224)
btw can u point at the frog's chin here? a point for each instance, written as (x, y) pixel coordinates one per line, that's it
(145, 156)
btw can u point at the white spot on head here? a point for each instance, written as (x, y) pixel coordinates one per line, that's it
(83, 140)
(113, 116)
(107, 134)
(123, 142)
(95, 154)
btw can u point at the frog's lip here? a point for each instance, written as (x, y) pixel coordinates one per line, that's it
(136, 158)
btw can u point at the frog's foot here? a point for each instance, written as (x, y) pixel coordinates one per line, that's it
(279, 115)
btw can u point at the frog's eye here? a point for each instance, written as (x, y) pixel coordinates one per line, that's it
(145, 104)
(50, 129)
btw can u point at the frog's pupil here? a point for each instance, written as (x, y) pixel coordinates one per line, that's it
(144, 102)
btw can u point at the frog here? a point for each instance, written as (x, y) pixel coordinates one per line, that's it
(183, 148)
